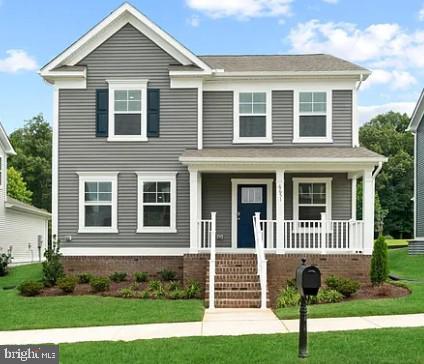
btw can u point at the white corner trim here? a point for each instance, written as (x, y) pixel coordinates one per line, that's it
(125, 14)
(150, 176)
(355, 128)
(235, 182)
(200, 117)
(328, 194)
(55, 164)
(329, 116)
(98, 177)
(268, 116)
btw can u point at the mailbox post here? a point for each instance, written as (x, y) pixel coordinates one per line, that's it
(308, 281)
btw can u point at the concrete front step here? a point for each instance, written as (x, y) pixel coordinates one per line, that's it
(235, 303)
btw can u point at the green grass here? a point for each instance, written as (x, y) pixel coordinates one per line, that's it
(71, 311)
(368, 346)
(402, 264)
(396, 243)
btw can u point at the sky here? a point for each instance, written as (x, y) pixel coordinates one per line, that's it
(386, 36)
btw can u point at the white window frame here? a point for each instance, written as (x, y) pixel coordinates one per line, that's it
(115, 85)
(268, 117)
(143, 177)
(296, 117)
(328, 194)
(98, 177)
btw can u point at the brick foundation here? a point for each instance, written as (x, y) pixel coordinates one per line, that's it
(281, 268)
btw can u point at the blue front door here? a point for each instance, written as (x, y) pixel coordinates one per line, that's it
(250, 199)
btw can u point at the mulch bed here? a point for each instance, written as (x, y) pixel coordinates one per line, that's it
(85, 289)
(386, 290)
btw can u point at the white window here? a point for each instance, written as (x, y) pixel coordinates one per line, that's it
(252, 117)
(312, 121)
(251, 194)
(98, 202)
(127, 110)
(157, 202)
(311, 198)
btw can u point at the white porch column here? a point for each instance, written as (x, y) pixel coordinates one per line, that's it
(368, 210)
(354, 191)
(279, 208)
(195, 208)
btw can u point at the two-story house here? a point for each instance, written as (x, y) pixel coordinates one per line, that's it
(163, 158)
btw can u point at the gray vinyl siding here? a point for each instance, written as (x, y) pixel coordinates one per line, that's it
(127, 54)
(216, 196)
(218, 119)
(419, 225)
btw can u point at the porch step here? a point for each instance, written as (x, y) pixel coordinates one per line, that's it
(235, 303)
(235, 262)
(231, 269)
(237, 286)
(234, 277)
(235, 256)
(231, 294)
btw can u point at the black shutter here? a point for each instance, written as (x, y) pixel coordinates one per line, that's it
(153, 112)
(102, 112)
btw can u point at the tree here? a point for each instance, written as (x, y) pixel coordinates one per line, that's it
(386, 134)
(33, 145)
(16, 186)
(379, 264)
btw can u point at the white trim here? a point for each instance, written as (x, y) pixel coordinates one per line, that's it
(195, 208)
(130, 84)
(354, 182)
(235, 182)
(170, 177)
(279, 209)
(328, 194)
(200, 116)
(329, 116)
(5, 142)
(417, 114)
(415, 182)
(237, 139)
(355, 129)
(110, 25)
(249, 160)
(98, 177)
(55, 164)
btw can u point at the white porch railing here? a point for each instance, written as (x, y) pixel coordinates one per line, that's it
(207, 240)
(260, 255)
(320, 236)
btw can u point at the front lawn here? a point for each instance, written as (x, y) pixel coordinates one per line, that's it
(406, 266)
(396, 243)
(368, 346)
(72, 311)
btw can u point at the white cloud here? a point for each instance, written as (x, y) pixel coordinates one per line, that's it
(241, 9)
(331, 1)
(397, 80)
(366, 113)
(421, 13)
(17, 60)
(194, 21)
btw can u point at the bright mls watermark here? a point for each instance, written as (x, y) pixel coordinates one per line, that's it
(40, 354)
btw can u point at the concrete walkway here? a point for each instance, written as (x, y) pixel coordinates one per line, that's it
(216, 322)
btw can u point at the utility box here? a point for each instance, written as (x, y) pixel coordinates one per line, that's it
(308, 280)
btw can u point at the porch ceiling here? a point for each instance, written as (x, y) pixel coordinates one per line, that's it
(282, 155)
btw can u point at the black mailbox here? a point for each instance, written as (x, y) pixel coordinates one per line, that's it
(308, 280)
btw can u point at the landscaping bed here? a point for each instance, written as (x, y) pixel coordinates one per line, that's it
(386, 290)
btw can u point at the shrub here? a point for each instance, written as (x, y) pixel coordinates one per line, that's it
(379, 265)
(144, 294)
(326, 295)
(67, 284)
(155, 285)
(176, 294)
(167, 275)
(52, 266)
(30, 288)
(5, 259)
(192, 290)
(173, 286)
(118, 277)
(84, 278)
(127, 293)
(100, 284)
(345, 286)
(288, 297)
(141, 277)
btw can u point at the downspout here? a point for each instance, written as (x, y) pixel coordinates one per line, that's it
(361, 79)
(378, 170)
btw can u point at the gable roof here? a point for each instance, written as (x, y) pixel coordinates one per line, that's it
(125, 14)
(5, 142)
(281, 63)
(417, 115)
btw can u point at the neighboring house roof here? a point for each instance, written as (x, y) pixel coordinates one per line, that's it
(282, 63)
(5, 142)
(17, 205)
(418, 114)
(286, 154)
(65, 64)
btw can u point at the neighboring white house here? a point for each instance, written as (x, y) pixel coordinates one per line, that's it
(23, 228)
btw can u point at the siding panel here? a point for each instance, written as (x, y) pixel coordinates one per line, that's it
(420, 182)
(127, 54)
